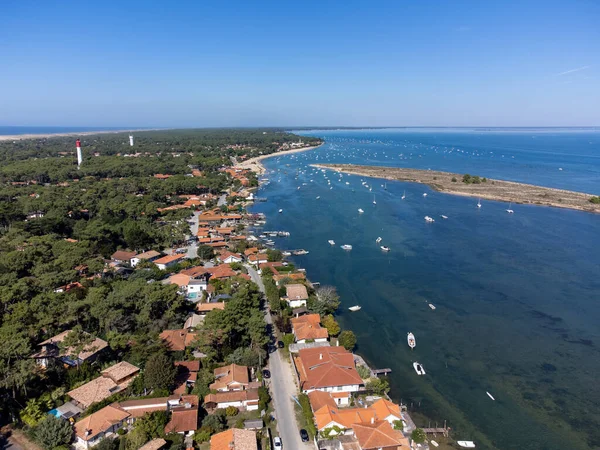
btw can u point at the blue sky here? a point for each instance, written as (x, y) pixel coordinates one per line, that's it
(244, 63)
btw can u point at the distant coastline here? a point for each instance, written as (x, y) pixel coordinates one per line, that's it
(492, 189)
(255, 165)
(23, 137)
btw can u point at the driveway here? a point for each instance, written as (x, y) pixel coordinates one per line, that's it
(282, 387)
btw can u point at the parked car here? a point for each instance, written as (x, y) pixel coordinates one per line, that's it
(266, 373)
(277, 444)
(280, 344)
(304, 435)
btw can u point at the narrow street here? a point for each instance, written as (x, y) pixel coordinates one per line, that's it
(282, 388)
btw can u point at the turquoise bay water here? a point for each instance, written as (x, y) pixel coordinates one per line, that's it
(517, 296)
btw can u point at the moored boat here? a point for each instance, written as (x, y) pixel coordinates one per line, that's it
(429, 219)
(466, 444)
(490, 395)
(355, 308)
(331, 242)
(384, 248)
(412, 343)
(360, 211)
(347, 247)
(432, 306)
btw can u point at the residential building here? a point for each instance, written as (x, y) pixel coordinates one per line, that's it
(234, 439)
(229, 257)
(244, 400)
(177, 340)
(90, 430)
(168, 261)
(52, 349)
(308, 328)
(154, 444)
(230, 378)
(187, 374)
(112, 380)
(123, 256)
(146, 256)
(387, 410)
(329, 369)
(379, 435)
(205, 308)
(191, 286)
(296, 295)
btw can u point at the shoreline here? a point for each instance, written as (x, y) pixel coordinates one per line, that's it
(254, 164)
(493, 189)
(25, 137)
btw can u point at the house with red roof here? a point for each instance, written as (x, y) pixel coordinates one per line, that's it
(308, 328)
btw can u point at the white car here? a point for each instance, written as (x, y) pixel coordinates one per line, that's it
(277, 445)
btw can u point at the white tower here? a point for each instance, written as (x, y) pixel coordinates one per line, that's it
(79, 154)
(131, 140)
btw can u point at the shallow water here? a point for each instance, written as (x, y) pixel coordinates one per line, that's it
(517, 295)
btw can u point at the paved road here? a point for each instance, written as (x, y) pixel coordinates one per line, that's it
(282, 388)
(222, 200)
(192, 251)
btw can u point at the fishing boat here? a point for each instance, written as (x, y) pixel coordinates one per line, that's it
(403, 195)
(419, 368)
(384, 248)
(331, 242)
(466, 444)
(490, 395)
(429, 219)
(355, 308)
(432, 306)
(280, 211)
(360, 211)
(378, 240)
(346, 247)
(411, 340)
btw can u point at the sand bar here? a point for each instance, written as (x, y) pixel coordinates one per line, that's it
(254, 164)
(492, 189)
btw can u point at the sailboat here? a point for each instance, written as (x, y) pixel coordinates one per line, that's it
(510, 211)
(479, 203)
(404, 195)
(374, 202)
(385, 186)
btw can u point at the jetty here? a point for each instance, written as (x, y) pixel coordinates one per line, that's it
(378, 372)
(477, 187)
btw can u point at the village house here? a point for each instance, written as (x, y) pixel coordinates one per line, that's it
(329, 369)
(191, 286)
(154, 444)
(299, 276)
(204, 308)
(68, 287)
(168, 261)
(112, 380)
(52, 349)
(234, 439)
(308, 328)
(230, 378)
(296, 295)
(228, 257)
(177, 340)
(257, 258)
(122, 256)
(379, 435)
(90, 430)
(246, 400)
(187, 374)
(146, 256)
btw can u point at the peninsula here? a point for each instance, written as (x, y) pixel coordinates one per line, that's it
(474, 186)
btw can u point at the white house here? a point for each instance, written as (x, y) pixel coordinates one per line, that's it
(296, 295)
(246, 400)
(151, 255)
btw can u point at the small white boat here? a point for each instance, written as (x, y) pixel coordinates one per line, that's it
(429, 219)
(444, 217)
(419, 368)
(331, 242)
(479, 203)
(355, 308)
(346, 247)
(424, 194)
(374, 202)
(384, 248)
(435, 444)
(432, 306)
(318, 197)
(466, 444)
(490, 395)
(403, 195)
(378, 240)
(509, 210)
(360, 211)
(411, 340)
(280, 211)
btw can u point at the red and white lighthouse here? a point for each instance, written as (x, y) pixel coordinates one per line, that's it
(79, 154)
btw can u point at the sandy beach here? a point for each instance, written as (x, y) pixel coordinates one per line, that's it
(254, 164)
(22, 137)
(492, 189)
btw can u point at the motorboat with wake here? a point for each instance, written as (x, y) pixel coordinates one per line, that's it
(429, 219)
(346, 247)
(419, 368)
(411, 340)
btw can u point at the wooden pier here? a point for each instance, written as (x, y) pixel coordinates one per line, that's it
(437, 430)
(378, 372)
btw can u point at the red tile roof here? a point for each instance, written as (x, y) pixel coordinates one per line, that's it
(309, 327)
(379, 434)
(177, 340)
(323, 367)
